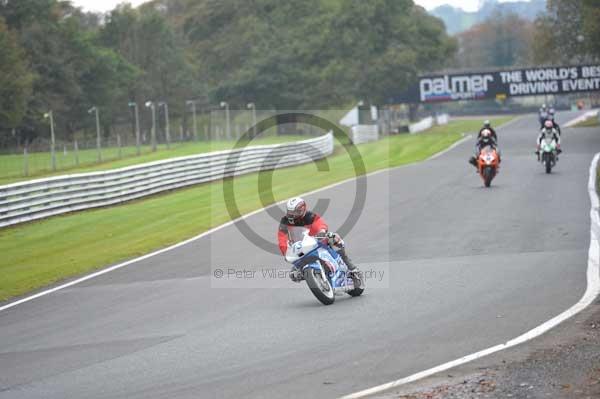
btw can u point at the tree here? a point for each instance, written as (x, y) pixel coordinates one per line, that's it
(591, 27)
(313, 53)
(504, 40)
(73, 71)
(144, 38)
(283, 55)
(15, 80)
(568, 32)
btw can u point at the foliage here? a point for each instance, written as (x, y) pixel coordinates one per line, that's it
(503, 40)
(279, 55)
(458, 20)
(16, 80)
(568, 32)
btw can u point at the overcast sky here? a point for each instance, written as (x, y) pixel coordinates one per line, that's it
(106, 5)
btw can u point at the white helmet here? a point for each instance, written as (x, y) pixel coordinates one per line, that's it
(295, 209)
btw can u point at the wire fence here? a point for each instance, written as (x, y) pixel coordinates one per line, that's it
(213, 131)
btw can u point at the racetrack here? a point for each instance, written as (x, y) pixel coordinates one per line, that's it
(468, 268)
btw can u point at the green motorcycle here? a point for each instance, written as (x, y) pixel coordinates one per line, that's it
(549, 153)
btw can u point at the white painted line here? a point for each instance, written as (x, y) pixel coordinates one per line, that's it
(510, 122)
(199, 236)
(453, 146)
(469, 136)
(591, 292)
(581, 118)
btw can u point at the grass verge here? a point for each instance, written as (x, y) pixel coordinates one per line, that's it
(41, 253)
(589, 122)
(12, 166)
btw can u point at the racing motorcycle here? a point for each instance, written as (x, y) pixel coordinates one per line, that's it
(323, 268)
(548, 153)
(487, 164)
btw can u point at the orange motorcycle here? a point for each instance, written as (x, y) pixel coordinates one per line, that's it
(488, 164)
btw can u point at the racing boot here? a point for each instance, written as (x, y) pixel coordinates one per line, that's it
(346, 259)
(353, 272)
(473, 161)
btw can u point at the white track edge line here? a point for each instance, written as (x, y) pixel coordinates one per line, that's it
(214, 229)
(591, 292)
(584, 116)
(469, 136)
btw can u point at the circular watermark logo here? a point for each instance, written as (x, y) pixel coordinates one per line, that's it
(276, 156)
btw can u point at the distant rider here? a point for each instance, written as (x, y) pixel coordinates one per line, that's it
(543, 115)
(487, 125)
(548, 131)
(299, 220)
(552, 117)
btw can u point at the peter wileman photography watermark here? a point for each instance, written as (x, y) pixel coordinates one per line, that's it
(269, 143)
(242, 159)
(257, 276)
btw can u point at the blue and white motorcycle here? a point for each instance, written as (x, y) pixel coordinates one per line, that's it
(323, 269)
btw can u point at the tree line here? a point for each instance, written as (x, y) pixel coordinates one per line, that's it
(298, 54)
(568, 32)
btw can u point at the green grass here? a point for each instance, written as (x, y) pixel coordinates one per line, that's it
(589, 122)
(41, 253)
(12, 166)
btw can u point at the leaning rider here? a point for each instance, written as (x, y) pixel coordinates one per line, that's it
(298, 221)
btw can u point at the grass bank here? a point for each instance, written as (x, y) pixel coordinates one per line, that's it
(44, 252)
(12, 166)
(589, 122)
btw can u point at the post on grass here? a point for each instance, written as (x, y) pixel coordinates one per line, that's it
(50, 115)
(193, 104)
(167, 126)
(25, 162)
(152, 106)
(137, 126)
(98, 139)
(76, 151)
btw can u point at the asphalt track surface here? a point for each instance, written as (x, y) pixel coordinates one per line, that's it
(466, 268)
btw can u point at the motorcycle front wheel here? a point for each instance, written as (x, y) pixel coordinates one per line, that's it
(548, 162)
(319, 285)
(488, 175)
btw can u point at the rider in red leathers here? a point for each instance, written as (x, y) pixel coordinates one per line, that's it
(298, 221)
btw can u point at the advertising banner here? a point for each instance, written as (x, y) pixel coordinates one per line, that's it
(502, 84)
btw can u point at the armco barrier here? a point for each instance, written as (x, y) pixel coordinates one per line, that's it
(37, 199)
(364, 133)
(420, 126)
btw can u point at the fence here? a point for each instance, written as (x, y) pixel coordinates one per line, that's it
(37, 199)
(428, 123)
(364, 133)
